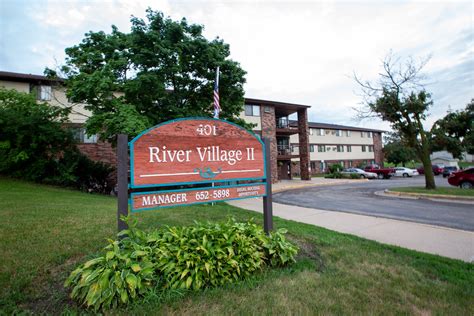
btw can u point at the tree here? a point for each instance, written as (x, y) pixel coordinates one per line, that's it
(396, 151)
(161, 70)
(398, 97)
(31, 136)
(455, 132)
(35, 146)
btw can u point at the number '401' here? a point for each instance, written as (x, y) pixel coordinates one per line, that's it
(206, 130)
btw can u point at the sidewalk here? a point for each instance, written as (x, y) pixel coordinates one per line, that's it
(284, 185)
(452, 243)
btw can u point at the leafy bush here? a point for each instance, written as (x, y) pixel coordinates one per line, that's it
(35, 146)
(334, 175)
(335, 168)
(76, 170)
(123, 273)
(31, 135)
(193, 257)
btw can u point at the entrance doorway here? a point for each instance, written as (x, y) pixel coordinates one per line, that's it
(284, 169)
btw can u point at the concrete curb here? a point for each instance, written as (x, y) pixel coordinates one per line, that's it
(409, 195)
(309, 185)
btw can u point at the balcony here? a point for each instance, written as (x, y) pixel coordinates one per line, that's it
(283, 127)
(286, 152)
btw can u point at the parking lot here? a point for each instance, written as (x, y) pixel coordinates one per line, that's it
(360, 198)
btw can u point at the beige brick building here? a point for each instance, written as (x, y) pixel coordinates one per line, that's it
(345, 145)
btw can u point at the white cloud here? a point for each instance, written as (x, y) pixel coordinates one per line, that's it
(301, 52)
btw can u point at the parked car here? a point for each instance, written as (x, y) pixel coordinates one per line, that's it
(464, 178)
(448, 170)
(437, 169)
(405, 172)
(362, 174)
(382, 173)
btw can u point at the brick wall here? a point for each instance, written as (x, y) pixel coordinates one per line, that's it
(269, 131)
(103, 152)
(303, 138)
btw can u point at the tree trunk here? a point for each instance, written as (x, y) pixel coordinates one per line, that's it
(425, 159)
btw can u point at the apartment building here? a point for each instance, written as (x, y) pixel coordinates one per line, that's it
(338, 144)
(272, 121)
(270, 118)
(54, 93)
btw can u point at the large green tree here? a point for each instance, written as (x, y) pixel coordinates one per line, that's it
(161, 70)
(455, 132)
(396, 151)
(34, 145)
(399, 98)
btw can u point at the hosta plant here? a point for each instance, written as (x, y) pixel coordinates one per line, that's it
(121, 274)
(191, 257)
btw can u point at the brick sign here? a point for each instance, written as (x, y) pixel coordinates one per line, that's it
(153, 200)
(195, 150)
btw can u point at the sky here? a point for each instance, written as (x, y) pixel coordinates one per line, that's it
(303, 52)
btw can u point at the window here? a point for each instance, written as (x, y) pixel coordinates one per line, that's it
(338, 132)
(342, 163)
(44, 93)
(349, 149)
(321, 148)
(252, 110)
(311, 131)
(340, 148)
(348, 133)
(312, 164)
(369, 134)
(311, 148)
(371, 149)
(350, 163)
(320, 132)
(81, 137)
(364, 149)
(362, 134)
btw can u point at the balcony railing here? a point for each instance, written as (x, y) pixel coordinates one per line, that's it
(282, 122)
(287, 150)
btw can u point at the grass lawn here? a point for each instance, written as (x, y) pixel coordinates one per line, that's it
(439, 190)
(465, 164)
(46, 232)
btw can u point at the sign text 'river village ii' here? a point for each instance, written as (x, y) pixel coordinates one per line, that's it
(191, 161)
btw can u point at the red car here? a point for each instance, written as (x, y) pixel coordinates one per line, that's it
(464, 178)
(437, 170)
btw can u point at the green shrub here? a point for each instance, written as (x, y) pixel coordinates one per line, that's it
(192, 257)
(35, 146)
(335, 168)
(334, 175)
(124, 272)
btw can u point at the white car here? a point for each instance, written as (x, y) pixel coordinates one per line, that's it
(362, 174)
(405, 172)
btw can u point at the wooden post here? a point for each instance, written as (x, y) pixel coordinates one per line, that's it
(122, 180)
(267, 200)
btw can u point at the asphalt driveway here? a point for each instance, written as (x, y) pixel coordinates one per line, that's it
(360, 198)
